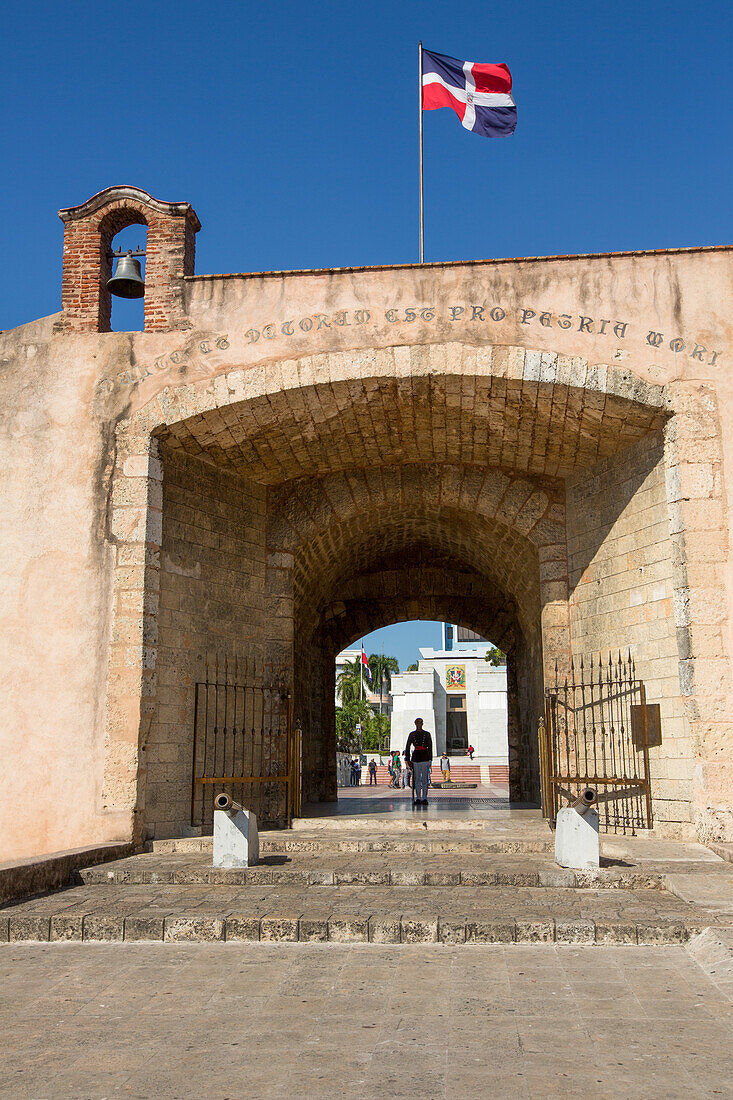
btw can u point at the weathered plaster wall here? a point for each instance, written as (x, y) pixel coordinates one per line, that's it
(54, 594)
(212, 604)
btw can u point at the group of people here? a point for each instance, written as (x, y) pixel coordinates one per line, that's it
(399, 776)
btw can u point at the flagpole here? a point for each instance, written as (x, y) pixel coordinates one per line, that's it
(422, 226)
(361, 674)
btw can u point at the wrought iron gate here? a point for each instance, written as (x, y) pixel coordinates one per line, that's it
(245, 743)
(595, 733)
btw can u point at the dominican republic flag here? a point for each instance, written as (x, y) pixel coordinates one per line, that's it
(365, 665)
(479, 94)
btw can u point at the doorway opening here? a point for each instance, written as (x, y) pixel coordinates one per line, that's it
(418, 669)
(456, 726)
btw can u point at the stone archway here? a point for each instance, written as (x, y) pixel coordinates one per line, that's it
(244, 504)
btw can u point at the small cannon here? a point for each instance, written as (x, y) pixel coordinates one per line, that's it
(576, 834)
(583, 802)
(236, 840)
(224, 802)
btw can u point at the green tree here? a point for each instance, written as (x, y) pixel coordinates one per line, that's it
(495, 656)
(348, 682)
(374, 727)
(382, 668)
(358, 710)
(413, 667)
(379, 729)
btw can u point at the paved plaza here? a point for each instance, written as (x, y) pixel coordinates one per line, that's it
(480, 801)
(371, 956)
(322, 1021)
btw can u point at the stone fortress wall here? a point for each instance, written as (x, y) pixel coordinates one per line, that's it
(533, 448)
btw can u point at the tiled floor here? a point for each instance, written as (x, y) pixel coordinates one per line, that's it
(473, 802)
(179, 1022)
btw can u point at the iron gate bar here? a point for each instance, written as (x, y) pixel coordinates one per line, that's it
(243, 736)
(586, 739)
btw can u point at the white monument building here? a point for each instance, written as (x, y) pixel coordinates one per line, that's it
(462, 700)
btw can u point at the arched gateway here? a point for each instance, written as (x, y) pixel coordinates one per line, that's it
(535, 449)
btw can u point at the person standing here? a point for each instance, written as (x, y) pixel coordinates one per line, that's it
(372, 772)
(419, 754)
(445, 766)
(406, 775)
(396, 772)
(357, 771)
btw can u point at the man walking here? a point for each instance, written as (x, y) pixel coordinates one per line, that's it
(419, 754)
(372, 772)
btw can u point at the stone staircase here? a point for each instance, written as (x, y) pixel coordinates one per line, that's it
(413, 885)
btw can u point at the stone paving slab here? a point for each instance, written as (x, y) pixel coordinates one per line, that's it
(713, 892)
(363, 913)
(268, 1021)
(394, 869)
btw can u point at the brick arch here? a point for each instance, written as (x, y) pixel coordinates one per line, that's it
(430, 581)
(508, 530)
(493, 430)
(320, 414)
(434, 588)
(410, 557)
(88, 232)
(531, 507)
(478, 614)
(323, 566)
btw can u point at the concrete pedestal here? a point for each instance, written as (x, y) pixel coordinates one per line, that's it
(236, 841)
(576, 839)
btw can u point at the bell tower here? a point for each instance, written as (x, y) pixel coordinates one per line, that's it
(88, 233)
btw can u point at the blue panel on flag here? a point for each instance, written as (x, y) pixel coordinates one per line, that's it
(495, 121)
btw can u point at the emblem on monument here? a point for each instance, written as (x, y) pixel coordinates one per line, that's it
(455, 676)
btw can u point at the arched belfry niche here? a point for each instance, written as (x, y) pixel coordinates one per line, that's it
(250, 510)
(88, 233)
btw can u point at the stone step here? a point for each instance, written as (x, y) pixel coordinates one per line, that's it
(369, 869)
(455, 785)
(332, 841)
(463, 915)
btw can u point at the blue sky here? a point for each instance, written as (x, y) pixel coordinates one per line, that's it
(402, 640)
(292, 129)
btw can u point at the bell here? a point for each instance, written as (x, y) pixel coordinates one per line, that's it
(127, 281)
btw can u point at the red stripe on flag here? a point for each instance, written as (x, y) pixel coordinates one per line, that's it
(491, 78)
(435, 96)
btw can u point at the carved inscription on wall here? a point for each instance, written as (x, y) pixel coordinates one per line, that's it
(479, 317)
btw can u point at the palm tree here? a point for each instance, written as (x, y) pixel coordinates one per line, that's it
(495, 657)
(348, 682)
(381, 668)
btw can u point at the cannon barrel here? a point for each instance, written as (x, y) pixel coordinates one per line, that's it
(584, 801)
(223, 801)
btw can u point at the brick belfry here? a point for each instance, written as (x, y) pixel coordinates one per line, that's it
(533, 448)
